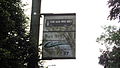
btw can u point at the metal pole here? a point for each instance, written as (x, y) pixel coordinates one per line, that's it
(34, 33)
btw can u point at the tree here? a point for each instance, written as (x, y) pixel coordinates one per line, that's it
(111, 39)
(15, 46)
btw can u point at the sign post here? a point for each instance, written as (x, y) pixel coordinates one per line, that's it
(34, 33)
(59, 36)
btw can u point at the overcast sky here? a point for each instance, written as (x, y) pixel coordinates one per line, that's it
(91, 15)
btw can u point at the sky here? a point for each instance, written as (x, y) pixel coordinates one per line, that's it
(90, 16)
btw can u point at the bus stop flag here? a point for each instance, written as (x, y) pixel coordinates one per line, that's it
(59, 35)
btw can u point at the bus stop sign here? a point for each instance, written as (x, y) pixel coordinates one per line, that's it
(59, 35)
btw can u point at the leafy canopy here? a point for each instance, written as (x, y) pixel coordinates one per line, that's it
(111, 39)
(14, 39)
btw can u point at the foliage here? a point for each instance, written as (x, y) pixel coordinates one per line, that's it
(111, 39)
(110, 36)
(14, 39)
(114, 6)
